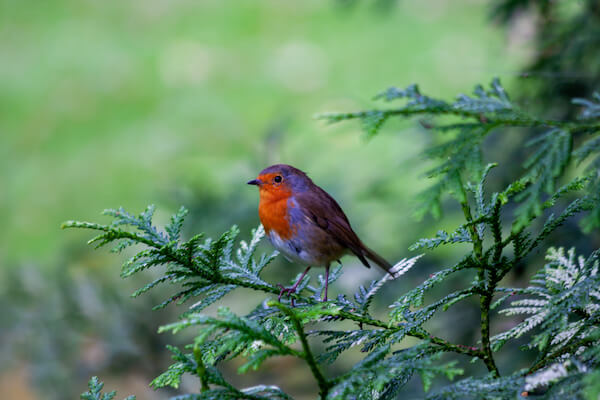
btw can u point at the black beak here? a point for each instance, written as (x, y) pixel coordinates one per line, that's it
(254, 182)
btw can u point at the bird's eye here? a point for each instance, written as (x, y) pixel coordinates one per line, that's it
(278, 179)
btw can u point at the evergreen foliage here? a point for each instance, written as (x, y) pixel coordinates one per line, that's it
(565, 64)
(95, 391)
(501, 228)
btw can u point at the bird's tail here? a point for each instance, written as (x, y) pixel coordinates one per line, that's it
(377, 259)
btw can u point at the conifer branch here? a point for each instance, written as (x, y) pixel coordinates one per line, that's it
(307, 354)
(176, 257)
(571, 348)
(520, 121)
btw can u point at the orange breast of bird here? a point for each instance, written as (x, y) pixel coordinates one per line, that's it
(273, 211)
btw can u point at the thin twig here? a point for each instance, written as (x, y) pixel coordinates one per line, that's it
(201, 369)
(307, 354)
(489, 284)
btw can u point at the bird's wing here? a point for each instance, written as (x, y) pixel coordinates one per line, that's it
(322, 210)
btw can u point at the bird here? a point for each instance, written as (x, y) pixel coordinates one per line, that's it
(306, 224)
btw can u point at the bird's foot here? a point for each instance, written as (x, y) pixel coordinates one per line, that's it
(288, 291)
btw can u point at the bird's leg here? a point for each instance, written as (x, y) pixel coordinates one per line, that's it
(326, 281)
(292, 289)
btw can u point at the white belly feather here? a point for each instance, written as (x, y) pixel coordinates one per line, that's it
(291, 252)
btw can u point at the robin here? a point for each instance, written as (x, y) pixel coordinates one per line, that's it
(306, 224)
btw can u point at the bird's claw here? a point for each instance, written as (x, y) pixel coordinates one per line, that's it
(288, 291)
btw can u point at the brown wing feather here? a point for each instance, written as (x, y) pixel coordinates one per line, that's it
(328, 215)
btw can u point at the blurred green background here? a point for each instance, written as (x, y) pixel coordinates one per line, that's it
(180, 102)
